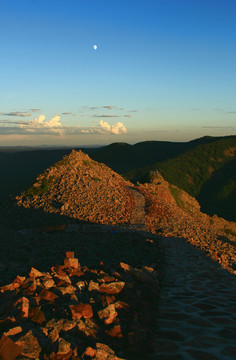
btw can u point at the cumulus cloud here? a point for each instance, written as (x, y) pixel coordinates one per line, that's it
(17, 113)
(40, 126)
(116, 129)
(66, 113)
(35, 110)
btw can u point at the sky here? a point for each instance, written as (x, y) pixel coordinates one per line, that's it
(162, 70)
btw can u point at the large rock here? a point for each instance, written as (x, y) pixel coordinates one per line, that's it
(8, 349)
(30, 346)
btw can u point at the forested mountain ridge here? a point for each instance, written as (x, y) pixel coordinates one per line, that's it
(207, 172)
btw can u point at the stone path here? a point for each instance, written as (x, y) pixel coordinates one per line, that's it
(197, 310)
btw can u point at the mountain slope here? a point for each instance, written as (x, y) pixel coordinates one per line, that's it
(123, 157)
(195, 168)
(24, 165)
(81, 188)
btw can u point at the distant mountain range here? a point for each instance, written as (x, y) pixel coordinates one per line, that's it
(204, 167)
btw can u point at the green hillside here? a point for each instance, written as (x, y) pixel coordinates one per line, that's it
(206, 172)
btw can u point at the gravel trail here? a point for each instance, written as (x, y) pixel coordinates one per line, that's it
(197, 309)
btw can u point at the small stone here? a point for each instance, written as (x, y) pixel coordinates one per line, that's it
(13, 331)
(47, 295)
(35, 273)
(8, 349)
(22, 304)
(74, 263)
(64, 347)
(36, 315)
(69, 324)
(93, 286)
(108, 315)
(115, 332)
(81, 285)
(107, 300)
(81, 310)
(125, 267)
(19, 279)
(30, 345)
(70, 254)
(112, 288)
(48, 283)
(67, 290)
(90, 352)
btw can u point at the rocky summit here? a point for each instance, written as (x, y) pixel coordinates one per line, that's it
(81, 188)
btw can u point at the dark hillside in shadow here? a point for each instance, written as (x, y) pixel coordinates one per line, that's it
(218, 194)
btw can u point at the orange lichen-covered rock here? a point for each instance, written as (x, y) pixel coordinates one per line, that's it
(109, 314)
(81, 310)
(22, 304)
(112, 287)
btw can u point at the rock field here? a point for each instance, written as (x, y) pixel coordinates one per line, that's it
(93, 267)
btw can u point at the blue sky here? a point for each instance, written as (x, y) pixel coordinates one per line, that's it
(162, 70)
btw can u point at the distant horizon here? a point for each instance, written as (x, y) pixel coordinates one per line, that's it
(46, 146)
(127, 71)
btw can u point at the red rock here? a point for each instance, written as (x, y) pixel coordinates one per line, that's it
(112, 288)
(81, 310)
(74, 263)
(108, 279)
(70, 254)
(22, 304)
(125, 267)
(90, 352)
(93, 286)
(8, 349)
(81, 285)
(35, 273)
(13, 331)
(63, 347)
(115, 332)
(9, 287)
(36, 315)
(19, 279)
(76, 272)
(121, 305)
(47, 295)
(108, 315)
(30, 345)
(107, 300)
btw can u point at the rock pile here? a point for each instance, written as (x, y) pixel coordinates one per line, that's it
(81, 188)
(73, 312)
(180, 216)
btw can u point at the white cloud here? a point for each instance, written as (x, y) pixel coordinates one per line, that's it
(39, 123)
(116, 129)
(39, 126)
